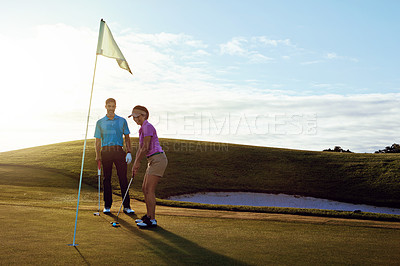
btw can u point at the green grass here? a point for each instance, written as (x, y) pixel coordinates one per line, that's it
(37, 214)
(196, 166)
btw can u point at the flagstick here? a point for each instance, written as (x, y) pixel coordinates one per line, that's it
(83, 156)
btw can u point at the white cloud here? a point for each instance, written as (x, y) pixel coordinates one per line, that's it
(234, 47)
(266, 41)
(165, 40)
(49, 76)
(258, 49)
(242, 47)
(331, 55)
(361, 123)
(255, 57)
(334, 56)
(328, 57)
(201, 52)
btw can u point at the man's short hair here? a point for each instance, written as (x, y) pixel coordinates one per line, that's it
(110, 100)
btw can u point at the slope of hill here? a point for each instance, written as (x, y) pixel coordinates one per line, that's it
(196, 166)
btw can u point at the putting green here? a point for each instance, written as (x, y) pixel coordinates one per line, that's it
(37, 213)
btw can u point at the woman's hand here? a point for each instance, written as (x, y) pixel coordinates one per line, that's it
(135, 167)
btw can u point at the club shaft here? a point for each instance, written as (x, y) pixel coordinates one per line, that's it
(126, 193)
(99, 193)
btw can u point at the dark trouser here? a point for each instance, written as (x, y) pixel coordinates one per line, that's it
(114, 155)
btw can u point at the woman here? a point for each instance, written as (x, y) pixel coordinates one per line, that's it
(157, 162)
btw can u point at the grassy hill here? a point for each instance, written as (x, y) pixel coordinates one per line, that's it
(38, 201)
(196, 166)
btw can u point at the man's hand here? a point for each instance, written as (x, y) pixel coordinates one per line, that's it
(98, 149)
(128, 158)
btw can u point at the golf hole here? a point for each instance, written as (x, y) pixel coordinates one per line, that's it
(278, 200)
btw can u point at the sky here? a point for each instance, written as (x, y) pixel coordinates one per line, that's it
(308, 75)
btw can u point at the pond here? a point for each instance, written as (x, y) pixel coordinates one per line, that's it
(278, 200)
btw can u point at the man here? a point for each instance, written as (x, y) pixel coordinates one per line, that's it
(109, 150)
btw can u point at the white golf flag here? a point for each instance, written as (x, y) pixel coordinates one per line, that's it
(108, 47)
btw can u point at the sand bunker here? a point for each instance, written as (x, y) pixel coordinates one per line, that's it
(278, 200)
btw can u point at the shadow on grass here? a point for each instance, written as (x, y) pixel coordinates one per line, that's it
(83, 257)
(115, 218)
(177, 250)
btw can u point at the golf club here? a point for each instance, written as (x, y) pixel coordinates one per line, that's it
(116, 223)
(98, 174)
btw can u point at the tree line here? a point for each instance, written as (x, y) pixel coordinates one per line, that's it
(394, 148)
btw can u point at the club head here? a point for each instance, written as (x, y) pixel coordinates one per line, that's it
(96, 214)
(115, 224)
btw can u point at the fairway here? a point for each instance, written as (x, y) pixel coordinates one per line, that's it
(37, 212)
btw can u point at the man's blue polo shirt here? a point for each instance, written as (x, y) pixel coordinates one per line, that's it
(110, 131)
